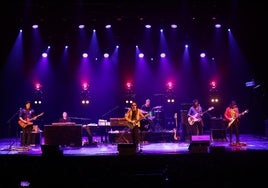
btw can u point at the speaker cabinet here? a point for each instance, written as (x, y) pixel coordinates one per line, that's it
(199, 144)
(35, 137)
(51, 150)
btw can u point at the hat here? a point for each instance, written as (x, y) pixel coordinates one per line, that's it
(233, 103)
(27, 102)
(195, 100)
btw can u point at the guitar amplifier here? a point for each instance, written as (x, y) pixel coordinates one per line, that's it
(118, 122)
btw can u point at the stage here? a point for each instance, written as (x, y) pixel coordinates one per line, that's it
(168, 164)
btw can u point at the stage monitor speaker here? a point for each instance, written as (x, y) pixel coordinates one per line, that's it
(217, 149)
(126, 149)
(199, 144)
(51, 150)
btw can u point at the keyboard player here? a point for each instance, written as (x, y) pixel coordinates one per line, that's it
(65, 119)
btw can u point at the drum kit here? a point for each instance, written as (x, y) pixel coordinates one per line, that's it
(148, 124)
(152, 121)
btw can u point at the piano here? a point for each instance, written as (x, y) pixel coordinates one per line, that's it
(65, 134)
(63, 123)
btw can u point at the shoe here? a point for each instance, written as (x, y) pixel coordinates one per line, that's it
(233, 144)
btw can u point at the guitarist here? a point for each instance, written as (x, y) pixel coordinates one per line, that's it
(195, 113)
(133, 117)
(26, 114)
(231, 115)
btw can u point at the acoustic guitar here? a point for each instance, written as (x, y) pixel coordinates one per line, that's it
(29, 121)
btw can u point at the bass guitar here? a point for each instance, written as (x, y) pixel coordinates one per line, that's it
(176, 128)
(29, 121)
(232, 120)
(197, 116)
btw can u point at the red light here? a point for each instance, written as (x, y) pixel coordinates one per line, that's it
(129, 85)
(170, 85)
(85, 86)
(37, 86)
(213, 84)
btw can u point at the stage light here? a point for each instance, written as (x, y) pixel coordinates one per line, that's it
(38, 94)
(214, 100)
(213, 84)
(85, 86)
(44, 54)
(129, 86)
(85, 98)
(169, 85)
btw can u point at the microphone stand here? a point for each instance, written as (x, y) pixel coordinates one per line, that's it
(109, 111)
(12, 141)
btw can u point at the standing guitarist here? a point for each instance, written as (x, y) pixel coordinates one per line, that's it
(133, 117)
(231, 115)
(195, 114)
(26, 116)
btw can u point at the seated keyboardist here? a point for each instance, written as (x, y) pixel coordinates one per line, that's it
(66, 119)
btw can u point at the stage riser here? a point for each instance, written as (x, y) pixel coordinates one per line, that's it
(147, 136)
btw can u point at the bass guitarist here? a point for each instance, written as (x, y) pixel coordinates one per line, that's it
(26, 116)
(133, 116)
(195, 114)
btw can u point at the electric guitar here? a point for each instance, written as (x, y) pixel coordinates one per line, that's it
(233, 119)
(131, 125)
(197, 116)
(176, 128)
(29, 121)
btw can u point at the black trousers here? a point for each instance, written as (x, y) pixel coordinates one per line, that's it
(234, 129)
(136, 135)
(26, 135)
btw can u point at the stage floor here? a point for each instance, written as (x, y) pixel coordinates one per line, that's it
(11, 146)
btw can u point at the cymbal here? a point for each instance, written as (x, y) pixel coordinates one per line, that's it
(144, 112)
(157, 107)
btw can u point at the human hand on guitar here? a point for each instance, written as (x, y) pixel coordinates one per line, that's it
(25, 122)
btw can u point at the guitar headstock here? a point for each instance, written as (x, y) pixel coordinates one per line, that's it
(246, 111)
(211, 108)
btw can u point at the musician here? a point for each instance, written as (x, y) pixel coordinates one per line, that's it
(133, 116)
(146, 124)
(146, 107)
(194, 114)
(231, 116)
(26, 117)
(65, 119)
